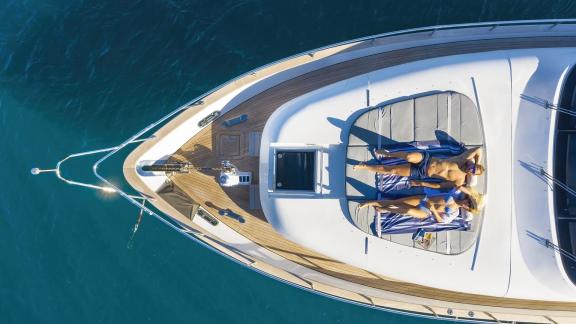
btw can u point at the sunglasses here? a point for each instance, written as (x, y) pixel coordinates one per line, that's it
(471, 167)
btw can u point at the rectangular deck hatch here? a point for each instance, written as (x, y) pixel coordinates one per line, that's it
(295, 170)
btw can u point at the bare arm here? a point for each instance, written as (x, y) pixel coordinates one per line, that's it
(464, 190)
(433, 185)
(420, 183)
(473, 153)
(448, 184)
(435, 213)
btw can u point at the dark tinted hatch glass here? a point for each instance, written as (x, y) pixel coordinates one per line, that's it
(295, 170)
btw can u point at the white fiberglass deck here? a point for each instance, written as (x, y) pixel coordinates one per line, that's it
(505, 262)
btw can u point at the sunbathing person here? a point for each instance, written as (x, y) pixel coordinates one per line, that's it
(444, 208)
(454, 171)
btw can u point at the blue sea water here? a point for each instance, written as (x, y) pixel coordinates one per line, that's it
(80, 75)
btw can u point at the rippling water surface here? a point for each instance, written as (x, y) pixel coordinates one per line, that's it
(79, 75)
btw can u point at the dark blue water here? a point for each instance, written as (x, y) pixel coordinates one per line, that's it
(79, 75)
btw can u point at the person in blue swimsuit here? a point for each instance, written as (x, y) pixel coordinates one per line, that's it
(443, 207)
(453, 171)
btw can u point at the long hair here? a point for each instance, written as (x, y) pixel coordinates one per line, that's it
(476, 201)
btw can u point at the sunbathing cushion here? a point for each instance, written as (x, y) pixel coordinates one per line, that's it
(443, 117)
(447, 117)
(359, 183)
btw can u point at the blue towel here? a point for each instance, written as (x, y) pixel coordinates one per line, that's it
(391, 182)
(391, 223)
(394, 187)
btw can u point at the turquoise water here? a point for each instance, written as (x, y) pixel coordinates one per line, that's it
(80, 75)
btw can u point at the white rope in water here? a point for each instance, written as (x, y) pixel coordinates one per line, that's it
(136, 226)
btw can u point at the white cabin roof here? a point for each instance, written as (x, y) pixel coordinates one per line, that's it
(508, 263)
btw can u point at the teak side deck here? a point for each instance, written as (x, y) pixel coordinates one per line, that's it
(216, 142)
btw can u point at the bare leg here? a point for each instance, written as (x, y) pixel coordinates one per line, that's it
(405, 206)
(411, 201)
(405, 210)
(411, 157)
(400, 169)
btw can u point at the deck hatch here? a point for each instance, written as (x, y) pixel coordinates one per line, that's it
(295, 170)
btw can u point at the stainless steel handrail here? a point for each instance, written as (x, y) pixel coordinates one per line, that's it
(58, 170)
(548, 105)
(549, 245)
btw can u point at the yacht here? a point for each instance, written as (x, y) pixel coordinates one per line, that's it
(262, 170)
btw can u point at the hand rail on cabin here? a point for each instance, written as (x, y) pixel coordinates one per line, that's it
(547, 177)
(548, 244)
(548, 105)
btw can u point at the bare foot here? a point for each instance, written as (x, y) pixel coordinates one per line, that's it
(359, 166)
(366, 204)
(381, 153)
